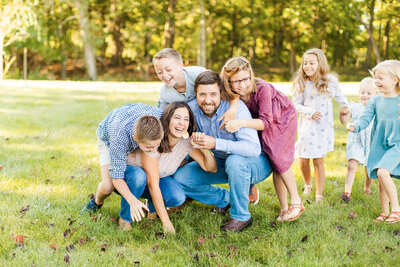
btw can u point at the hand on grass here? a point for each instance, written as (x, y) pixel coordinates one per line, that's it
(168, 227)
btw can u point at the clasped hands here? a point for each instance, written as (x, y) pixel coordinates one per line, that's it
(202, 141)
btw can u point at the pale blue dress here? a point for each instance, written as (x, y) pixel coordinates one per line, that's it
(385, 135)
(358, 144)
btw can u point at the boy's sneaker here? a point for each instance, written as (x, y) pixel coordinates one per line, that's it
(254, 195)
(91, 207)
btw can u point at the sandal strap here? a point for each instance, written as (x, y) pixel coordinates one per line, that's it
(319, 196)
(396, 215)
(308, 186)
(296, 206)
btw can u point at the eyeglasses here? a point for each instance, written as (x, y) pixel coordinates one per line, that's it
(244, 80)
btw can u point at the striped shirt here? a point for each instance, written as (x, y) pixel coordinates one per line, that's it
(116, 131)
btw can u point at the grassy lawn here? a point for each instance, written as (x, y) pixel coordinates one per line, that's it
(49, 167)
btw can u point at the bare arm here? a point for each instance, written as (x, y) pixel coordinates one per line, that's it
(150, 166)
(345, 115)
(205, 159)
(230, 114)
(234, 125)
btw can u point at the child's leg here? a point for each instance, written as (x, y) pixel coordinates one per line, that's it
(352, 166)
(288, 179)
(106, 186)
(306, 172)
(389, 187)
(383, 199)
(368, 182)
(319, 169)
(280, 190)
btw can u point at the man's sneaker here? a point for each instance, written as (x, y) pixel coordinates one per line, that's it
(91, 207)
(254, 195)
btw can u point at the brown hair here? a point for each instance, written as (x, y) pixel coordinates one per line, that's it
(165, 120)
(148, 127)
(208, 77)
(168, 53)
(393, 68)
(231, 67)
(321, 81)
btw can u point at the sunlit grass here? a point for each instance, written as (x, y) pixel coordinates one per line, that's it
(49, 161)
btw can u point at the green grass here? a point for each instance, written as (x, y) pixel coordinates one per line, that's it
(49, 161)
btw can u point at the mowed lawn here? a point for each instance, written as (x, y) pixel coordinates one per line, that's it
(49, 168)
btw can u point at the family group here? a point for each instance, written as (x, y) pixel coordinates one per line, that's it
(233, 128)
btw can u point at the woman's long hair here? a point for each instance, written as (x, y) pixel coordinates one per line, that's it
(165, 120)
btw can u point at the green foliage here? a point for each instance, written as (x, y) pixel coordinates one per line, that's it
(274, 33)
(49, 161)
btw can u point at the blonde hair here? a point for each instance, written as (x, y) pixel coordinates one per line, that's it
(231, 67)
(168, 53)
(393, 68)
(321, 80)
(149, 128)
(368, 81)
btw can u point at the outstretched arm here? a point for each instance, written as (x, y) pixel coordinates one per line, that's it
(150, 166)
(135, 204)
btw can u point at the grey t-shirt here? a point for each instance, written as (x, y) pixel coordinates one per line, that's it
(169, 94)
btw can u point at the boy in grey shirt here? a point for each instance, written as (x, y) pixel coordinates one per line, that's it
(178, 80)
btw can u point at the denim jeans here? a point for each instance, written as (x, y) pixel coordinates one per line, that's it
(135, 177)
(238, 171)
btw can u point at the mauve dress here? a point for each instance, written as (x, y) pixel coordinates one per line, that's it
(279, 116)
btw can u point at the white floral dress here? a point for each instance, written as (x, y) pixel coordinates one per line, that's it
(315, 139)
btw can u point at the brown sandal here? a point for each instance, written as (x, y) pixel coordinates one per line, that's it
(394, 217)
(292, 207)
(281, 216)
(380, 218)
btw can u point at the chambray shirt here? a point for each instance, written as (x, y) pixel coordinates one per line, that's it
(244, 142)
(169, 94)
(116, 131)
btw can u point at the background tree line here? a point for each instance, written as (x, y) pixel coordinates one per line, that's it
(116, 39)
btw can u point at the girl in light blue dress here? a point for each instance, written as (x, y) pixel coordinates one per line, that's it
(384, 159)
(358, 144)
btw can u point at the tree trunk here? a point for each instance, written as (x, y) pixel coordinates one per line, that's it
(201, 53)
(119, 45)
(147, 42)
(292, 59)
(1, 54)
(386, 39)
(233, 34)
(89, 49)
(368, 59)
(25, 63)
(169, 28)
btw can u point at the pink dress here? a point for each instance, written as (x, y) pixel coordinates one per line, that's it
(279, 116)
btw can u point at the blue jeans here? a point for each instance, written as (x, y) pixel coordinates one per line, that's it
(238, 171)
(135, 178)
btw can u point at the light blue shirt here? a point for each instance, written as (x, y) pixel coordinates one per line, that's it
(116, 131)
(169, 94)
(244, 142)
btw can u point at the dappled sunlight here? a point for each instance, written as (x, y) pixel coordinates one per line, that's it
(33, 187)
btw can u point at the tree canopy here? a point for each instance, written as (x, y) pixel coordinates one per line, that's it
(66, 39)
